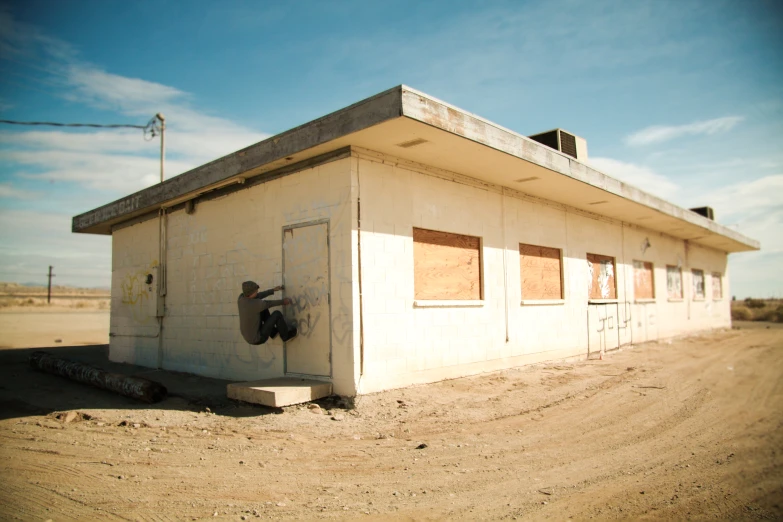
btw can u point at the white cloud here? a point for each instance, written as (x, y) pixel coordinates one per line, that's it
(31, 241)
(662, 133)
(637, 175)
(115, 161)
(7, 190)
(193, 137)
(115, 92)
(102, 141)
(756, 197)
(755, 209)
(114, 173)
(111, 162)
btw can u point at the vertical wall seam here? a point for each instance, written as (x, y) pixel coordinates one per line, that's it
(162, 253)
(505, 255)
(625, 288)
(687, 272)
(359, 259)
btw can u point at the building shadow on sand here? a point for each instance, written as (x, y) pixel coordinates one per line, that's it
(26, 391)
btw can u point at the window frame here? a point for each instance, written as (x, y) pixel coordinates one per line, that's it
(717, 276)
(431, 301)
(694, 288)
(540, 300)
(669, 295)
(652, 280)
(602, 299)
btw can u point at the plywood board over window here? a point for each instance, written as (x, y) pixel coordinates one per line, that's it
(601, 272)
(643, 287)
(698, 283)
(717, 286)
(446, 266)
(673, 282)
(540, 270)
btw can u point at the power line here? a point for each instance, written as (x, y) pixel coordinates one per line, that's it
(93, 125)
(154, 127)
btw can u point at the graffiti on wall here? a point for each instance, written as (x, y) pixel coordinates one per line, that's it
(604, 279)
(137, 293)
(208, 273)
(310, 297)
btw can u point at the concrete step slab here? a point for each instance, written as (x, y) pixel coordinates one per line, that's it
(283, 391)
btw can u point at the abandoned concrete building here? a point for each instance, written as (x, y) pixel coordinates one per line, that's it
(418, 241)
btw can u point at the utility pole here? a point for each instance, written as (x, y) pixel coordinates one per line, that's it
(162, 120)
(49, 292)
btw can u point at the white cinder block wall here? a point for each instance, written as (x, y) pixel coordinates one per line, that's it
(239, 236)
(211, 252)
(406, 343)
(133, 330)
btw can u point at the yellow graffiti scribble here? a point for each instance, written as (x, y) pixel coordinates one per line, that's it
(136, 293)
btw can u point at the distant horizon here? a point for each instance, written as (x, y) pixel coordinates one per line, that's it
(44, 285)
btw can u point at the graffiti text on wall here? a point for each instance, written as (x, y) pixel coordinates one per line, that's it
(136, 293)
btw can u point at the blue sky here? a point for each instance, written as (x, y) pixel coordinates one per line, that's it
(683, 99)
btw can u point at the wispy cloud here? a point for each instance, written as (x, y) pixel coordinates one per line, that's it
(114, 92)
(114, 161)
(7, 190)
(748, 198)
(639, 176)
(30, 241)
(101, 164)
(755, 209)
(663, 133)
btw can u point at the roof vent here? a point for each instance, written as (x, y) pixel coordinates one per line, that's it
(704, 211)
(563, 141)
(411, 143)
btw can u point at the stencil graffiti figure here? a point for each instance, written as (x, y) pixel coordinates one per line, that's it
(256, 323)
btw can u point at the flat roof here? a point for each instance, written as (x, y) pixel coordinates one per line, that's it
(411, 125)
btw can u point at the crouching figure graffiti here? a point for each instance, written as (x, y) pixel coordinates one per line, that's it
(256, 323)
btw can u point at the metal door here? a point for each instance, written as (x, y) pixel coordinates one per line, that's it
(306, 280)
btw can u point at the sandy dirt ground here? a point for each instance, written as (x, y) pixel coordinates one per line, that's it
(26, 328)
(689, 429)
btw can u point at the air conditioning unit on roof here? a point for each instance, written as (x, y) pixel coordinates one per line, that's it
(563, 141)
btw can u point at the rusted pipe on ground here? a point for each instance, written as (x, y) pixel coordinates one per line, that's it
(133, 387)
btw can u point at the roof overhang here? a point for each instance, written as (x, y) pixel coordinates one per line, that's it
(413, 126)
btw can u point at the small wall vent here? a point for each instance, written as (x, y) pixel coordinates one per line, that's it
(411, 143)
(563, 141)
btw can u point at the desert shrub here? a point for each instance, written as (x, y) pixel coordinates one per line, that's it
(771, 315)
(740, 313)
(755, 303)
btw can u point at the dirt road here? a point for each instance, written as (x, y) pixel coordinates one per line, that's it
(686, 430)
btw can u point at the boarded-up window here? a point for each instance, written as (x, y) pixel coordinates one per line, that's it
(643, 287)
(698, 283)
(446, 266)
(674, 282)
(601, 273)
(717, 286)
(540, 270)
